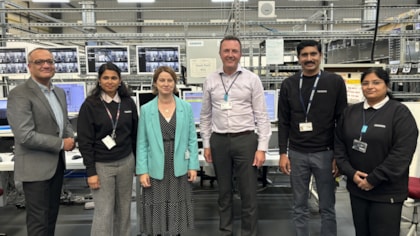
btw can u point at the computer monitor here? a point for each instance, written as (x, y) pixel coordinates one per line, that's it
(98, 55)
(75, 95)
(181, 91)
(150, 57)
(66, 60)
(195, 98)
(271, 102)
(146, 87)
(13, 61)
(3, 112)
(144, 97)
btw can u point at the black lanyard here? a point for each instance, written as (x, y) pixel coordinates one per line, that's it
(364, 128)
(306, 109)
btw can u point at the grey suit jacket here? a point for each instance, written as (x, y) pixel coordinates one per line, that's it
(36, 132)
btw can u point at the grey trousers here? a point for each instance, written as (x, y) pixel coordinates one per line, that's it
(319, 164)
(113, 199)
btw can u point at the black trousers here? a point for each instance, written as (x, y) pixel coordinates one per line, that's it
(376, 218)
(42, 201)
(233, 157)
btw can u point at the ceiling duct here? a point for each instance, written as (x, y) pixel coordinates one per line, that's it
(369, 13)
(88, 15)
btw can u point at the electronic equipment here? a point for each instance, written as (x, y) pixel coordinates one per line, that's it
(195, 98)
(75, 95)
(271, 98)
(66, 60)
(144, 97)
(13, 61)
(98, 55)
(151, 57)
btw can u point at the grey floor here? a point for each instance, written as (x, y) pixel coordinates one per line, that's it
(274, 206)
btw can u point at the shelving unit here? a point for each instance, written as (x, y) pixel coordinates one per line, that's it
(340, 25)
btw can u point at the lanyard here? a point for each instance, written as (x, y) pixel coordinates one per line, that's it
(310, 97)
(225, 97)
(365, 126)
(114, 124)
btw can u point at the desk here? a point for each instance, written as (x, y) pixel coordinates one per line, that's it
(6, 164)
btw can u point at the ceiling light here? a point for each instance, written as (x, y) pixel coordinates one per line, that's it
(135, 1)
(228, 0)
(52, 1)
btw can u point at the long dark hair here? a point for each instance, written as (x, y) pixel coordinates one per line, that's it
(122, 90)
(383, 75)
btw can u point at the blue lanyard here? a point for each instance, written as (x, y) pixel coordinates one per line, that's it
(225, 97)
(310, 97)
(364, 128)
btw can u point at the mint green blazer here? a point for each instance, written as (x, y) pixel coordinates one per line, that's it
(150, 153)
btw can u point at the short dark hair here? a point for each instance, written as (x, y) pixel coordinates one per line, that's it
(230, 37)
(308, 43)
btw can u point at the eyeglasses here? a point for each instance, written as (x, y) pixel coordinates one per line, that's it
(41, 62)
(375, 82)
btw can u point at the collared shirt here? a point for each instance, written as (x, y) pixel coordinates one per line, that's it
(248, 112)
(55, 105)
(109, 99)
(377, 105)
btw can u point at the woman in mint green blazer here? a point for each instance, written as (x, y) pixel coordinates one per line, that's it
(167, 159)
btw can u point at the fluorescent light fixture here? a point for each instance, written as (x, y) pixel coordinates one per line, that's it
(352, 19)
(135, 1)
(52, 1)
(228, 0)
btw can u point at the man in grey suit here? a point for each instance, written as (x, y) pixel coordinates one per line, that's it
(37, 114)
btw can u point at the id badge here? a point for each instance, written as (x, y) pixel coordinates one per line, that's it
(359, 146)
(109, 142)
(305, 126)
(226, 105)
(187, 155)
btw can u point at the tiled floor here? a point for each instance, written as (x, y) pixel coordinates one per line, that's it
(274, 213)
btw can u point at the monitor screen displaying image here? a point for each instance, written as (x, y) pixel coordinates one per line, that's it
(98, 55)
(271, 102)
(195, 98)
(151, 57)
(75, 95)
(66, 60)
(13, 61)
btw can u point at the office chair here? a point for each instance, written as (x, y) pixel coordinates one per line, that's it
(413, 202)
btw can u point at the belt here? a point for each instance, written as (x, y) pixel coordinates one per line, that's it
(236, 134)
